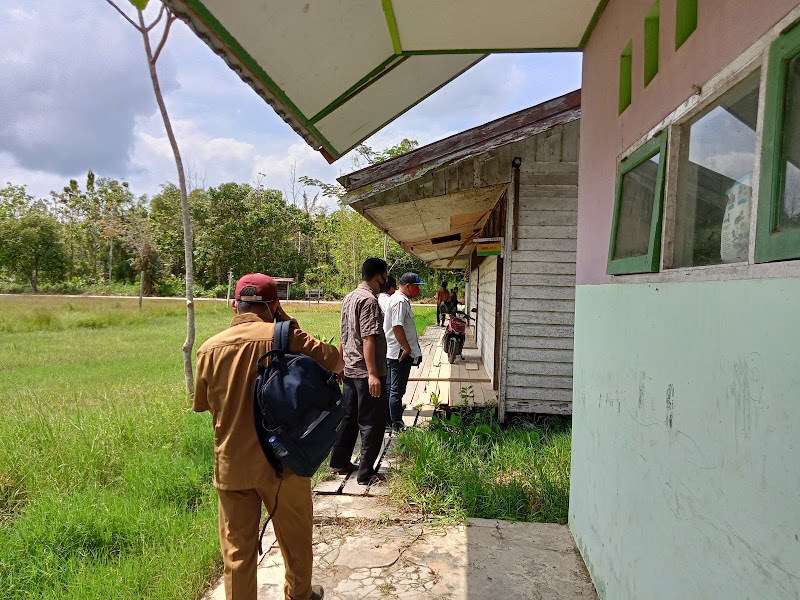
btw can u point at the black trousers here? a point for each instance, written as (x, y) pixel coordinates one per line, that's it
(362, 414)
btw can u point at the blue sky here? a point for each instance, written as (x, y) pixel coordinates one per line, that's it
(76, 95)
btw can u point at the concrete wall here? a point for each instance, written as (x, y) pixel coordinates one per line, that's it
(686, 428)
(686, 439)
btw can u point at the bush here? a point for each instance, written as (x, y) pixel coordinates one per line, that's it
(218, 291)
(172, 286)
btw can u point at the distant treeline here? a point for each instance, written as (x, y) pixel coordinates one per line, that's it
(98, 235)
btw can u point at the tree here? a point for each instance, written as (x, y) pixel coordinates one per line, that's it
(245, 229)
(137, 234)
(152, 57)
(372, 157)
(30, 247)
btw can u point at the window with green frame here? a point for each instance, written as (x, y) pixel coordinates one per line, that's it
(636, 229)
(778, 229)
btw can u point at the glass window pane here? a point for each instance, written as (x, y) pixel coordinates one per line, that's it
(790, 207)
(636, 209)
(715, 177)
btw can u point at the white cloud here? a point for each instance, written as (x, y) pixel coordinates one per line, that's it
(20, 14)
(39, 183)
(733, 165)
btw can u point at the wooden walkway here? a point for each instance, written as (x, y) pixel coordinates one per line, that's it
(434, 376)
(437, 376)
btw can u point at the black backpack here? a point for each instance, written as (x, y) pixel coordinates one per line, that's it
(298, 408)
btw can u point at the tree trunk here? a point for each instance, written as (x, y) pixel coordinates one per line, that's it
(34, 280)
(110, 257)
(141, 287)
(188, 253)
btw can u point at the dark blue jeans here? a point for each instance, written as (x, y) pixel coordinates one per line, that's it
(397, 381)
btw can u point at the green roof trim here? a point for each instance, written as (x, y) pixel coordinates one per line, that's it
(405, 110)
(592, 23)
(373, 76)
(236, 48)
(391, 22)
(488, 51)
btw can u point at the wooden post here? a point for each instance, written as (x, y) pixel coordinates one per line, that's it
(230, 281)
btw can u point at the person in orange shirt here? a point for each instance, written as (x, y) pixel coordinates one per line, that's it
(226, 374)
(442, 296)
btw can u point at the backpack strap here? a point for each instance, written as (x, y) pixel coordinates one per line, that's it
(281, 335)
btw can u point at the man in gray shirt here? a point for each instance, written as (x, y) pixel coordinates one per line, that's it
(364, 395)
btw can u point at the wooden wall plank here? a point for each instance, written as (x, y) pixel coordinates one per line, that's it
(570, 141)
(538, 305)
(568, 244)
(554, 331)
(547, 217)
(533, 292)
(527, 354)
(543, 268)
(547, 178)
(545, 280)
(539, 406)
(439, 182)
(534, 393)
(544, 256)
(531, 203)
(535, 167)
(549, 232)
(541, 381)
(552, 343)
(540, 368)
(466, 174)
(451, 175)
(548, 145)
(490, 171)
(548, 191)
(520, 317)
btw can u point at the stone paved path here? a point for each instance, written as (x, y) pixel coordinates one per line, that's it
(364, 549)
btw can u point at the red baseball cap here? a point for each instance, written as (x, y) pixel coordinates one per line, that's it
(256, 287)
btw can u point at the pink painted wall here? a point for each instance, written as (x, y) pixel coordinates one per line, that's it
(725, 29)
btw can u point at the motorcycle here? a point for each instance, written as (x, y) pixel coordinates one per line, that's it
(455, 334)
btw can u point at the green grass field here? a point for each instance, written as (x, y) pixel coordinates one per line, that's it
(105, 473)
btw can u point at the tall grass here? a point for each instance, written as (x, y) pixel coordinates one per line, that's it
(471, 467)
(105, 473)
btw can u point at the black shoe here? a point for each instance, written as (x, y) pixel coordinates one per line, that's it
(346, 470)
(317, 592)
(398, 426)
(376, 479)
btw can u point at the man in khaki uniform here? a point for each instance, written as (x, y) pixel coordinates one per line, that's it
(226, 374)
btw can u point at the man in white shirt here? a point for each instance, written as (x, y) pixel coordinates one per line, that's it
(388, 289)
(402, 345)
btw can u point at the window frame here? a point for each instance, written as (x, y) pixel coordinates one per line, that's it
(773, 245)
(645, 263)
(678, 131)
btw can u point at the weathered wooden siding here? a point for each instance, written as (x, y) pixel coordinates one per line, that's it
(487, 302)
(473, 289)
(541, 307)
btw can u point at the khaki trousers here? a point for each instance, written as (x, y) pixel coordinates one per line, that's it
(239, 515)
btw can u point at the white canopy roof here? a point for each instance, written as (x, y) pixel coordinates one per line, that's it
(337, 71)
